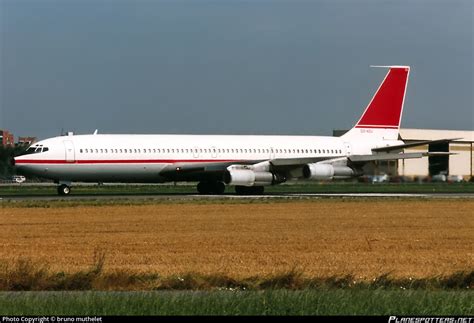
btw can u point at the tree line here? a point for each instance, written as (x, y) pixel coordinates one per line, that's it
(6, 154)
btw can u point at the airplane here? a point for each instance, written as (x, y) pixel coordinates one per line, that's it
(247, 162)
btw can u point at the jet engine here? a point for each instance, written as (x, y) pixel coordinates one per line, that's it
(247, 177)
(326, 171)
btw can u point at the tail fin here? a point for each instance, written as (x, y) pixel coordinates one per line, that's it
(382, 116)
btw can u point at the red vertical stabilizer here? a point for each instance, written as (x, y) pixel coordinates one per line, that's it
(385, 109)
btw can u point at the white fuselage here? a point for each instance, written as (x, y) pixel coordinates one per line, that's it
(143, 158)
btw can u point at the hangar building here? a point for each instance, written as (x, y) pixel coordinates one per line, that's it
(459, 163)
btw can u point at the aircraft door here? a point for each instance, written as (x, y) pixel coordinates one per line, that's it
(214, 152)
(347, 147)
(69, 149)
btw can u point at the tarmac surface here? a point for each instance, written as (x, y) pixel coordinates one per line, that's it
(179, 196)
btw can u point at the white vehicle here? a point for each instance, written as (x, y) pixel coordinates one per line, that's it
(439, 178)
(455, 179)
(247, 162)
(383, 178)
(18, 179)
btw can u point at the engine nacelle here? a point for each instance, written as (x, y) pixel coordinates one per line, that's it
(247, 177)
(326, 171)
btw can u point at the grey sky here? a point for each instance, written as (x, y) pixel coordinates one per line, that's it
(237, 67)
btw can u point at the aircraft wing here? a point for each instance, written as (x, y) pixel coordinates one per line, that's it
(393, 156)
(285, 165)
(413, 144)
(288, 163)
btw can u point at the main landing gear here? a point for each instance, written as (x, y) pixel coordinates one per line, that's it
(249, 190)
(216, 188)
(64, 189)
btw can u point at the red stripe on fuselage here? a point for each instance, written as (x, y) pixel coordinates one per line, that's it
(120, 161)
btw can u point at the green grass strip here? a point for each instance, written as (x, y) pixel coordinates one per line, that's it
(272, 302)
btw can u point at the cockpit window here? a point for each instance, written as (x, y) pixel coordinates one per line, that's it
(30, 150)
(35, 150)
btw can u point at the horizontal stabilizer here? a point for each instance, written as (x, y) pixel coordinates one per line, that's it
(386, 157)
(413, 144)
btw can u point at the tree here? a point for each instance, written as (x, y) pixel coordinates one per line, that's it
(6, 154)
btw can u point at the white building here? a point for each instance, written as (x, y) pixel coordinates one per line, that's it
(459, 163)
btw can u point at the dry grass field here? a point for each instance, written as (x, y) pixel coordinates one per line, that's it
(321, 238)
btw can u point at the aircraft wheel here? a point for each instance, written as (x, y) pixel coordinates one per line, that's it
(258, 190)
(63, 189)
(211, 188)
(203, 188)
(240, 190)
(249, 190)
(219, 188)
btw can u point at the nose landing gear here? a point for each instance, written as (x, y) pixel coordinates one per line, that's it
(64, 189)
